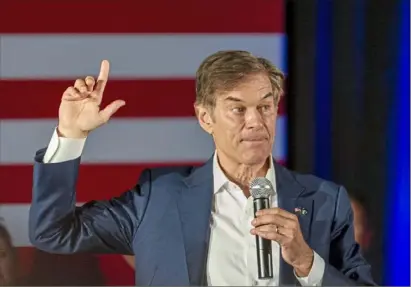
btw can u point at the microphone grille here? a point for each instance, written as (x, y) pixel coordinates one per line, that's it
(260, 187)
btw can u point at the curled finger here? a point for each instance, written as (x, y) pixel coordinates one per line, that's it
(269, 232)
(90, 82)
(72, 94)
(287, 232)
(269, 219)
(277, 211)
(267, 228)
(81, 86)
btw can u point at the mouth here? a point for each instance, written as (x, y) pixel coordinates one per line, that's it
(254, 139)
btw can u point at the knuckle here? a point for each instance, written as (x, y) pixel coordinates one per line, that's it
(69, 90)
(89, 79)
(78, 83)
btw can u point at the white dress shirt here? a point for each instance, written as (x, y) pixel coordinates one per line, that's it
(232, 257)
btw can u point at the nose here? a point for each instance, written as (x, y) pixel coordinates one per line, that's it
(253, 119)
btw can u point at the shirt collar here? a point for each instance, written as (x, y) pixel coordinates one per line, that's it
(220, 180)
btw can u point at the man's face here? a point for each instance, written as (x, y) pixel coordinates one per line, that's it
(243, 121)
(6, 263)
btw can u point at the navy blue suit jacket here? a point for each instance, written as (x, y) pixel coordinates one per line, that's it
(164, 221)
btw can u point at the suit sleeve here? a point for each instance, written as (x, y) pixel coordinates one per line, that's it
(347, 267)
(57, 225)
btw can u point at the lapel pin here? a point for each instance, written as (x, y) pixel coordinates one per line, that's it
(300, 210)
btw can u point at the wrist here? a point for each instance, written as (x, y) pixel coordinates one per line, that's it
(73, 134)
(303, 267)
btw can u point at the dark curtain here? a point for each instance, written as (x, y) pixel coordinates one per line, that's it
(339, 94)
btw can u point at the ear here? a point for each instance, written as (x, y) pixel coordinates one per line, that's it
(204, 118)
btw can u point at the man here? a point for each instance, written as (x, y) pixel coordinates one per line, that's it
(195, 226)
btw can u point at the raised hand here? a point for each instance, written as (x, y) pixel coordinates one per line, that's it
(79, 111)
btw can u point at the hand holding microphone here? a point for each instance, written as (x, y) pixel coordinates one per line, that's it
(275, 224)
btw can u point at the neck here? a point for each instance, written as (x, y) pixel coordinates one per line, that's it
(242, 174)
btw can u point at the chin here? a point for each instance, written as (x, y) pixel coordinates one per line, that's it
(252, 157)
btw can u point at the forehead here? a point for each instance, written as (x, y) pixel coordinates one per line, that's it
(252, 88)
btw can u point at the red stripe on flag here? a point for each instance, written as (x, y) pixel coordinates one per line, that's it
(130, 16)
(111, 267)
(116, 271)
(144, 98)
(96, 182)
(40, 99)
(25, 256)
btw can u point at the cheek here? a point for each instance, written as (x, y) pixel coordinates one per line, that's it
(230, 126)
(232, 135)
(270, 116)
(271, 126)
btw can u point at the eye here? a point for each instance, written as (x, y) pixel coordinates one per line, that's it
(265, 108)
(238, 110)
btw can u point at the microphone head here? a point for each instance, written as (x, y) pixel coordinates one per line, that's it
(260, 187)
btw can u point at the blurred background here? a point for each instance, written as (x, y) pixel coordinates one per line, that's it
(345, 116)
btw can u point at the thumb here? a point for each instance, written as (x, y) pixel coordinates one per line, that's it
(111, 109)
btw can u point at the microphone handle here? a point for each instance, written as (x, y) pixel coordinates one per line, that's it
(264, 252)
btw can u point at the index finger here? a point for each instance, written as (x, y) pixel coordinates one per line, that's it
(103, 75)
(275, 210)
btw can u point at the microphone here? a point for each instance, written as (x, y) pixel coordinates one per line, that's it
(261, 189)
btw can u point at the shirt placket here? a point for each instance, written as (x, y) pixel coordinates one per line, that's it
(247, 218)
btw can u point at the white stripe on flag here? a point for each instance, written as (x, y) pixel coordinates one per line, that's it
(123, 141)
(142, 56)
(15, 218)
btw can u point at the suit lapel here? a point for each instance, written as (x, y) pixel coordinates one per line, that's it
(195, 211)
(291, 197)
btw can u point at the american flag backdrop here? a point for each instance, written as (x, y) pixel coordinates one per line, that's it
(154, 48)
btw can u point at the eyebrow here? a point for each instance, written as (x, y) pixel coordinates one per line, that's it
(234, 99)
